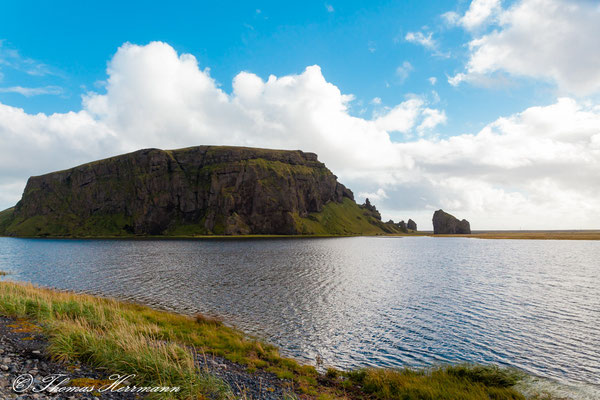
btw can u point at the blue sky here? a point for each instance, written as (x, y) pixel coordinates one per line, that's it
(358, 45)
(487, 108)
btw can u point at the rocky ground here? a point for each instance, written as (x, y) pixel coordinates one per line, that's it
(246, 385)
(24, 364)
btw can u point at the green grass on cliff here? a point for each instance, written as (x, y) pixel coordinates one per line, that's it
(68, 226)
(6, 218)
(159, 348)
(346, 218)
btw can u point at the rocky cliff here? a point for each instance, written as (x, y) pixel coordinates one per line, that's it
(444, 223)
(193, 191)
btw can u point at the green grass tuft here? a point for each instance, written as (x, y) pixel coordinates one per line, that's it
(443, 383)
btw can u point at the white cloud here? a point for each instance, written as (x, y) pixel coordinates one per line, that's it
(380, 194)
(432, 80)
(515, 172)
(376, 100)
(518, 170)
(329, 8)
(426, 41)
(553, 40)
(457, 79)
(451, 17)
(403, 117)
(432, 118)
(32, 91)
(37, 144)
(479, 12)
(403, 71)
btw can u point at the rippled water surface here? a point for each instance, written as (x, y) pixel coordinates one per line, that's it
(530, 304)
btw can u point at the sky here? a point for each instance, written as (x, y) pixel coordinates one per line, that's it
(488, 109)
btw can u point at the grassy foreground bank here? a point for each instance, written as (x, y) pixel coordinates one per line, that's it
(159, 348)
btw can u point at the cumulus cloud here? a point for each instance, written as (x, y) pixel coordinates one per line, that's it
(406, 115)
(432, 118)
(540, 162)
(552, 40)
(479, 12)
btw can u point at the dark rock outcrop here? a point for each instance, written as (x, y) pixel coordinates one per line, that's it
(402, 226)
(197, 190)
(412, 225)
(371, 209)
(444, 223)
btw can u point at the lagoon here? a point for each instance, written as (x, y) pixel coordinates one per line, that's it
(358, 301)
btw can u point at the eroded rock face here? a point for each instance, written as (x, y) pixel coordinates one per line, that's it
(210, 189)
(444, 223)
(402, 226)
(411, 225)
(371, 209)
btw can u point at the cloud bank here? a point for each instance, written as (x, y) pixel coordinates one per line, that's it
(534, 169)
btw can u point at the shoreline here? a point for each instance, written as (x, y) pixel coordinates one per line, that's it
(504, 235)
(86, 321)
(532, 235)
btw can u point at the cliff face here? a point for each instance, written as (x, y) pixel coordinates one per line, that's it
(444, 223)
(199, 190)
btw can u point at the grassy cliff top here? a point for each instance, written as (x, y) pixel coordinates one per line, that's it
(213, 154)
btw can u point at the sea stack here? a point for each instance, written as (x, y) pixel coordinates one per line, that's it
(412, 225)
(447, 224)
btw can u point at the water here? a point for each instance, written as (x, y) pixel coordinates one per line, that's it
(387, 302)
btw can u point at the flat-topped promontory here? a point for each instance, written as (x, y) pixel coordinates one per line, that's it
(201, 190)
